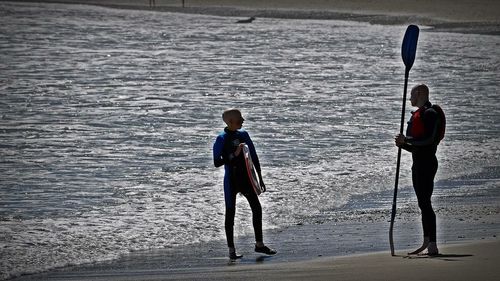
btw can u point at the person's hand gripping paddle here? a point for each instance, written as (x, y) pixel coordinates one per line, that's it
(408, 50)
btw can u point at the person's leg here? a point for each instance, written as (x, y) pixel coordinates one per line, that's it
(254, 202)
(229, 226)
(423, 183)
(416, 180)
(427, 210)
(230, 198)
(428, 215)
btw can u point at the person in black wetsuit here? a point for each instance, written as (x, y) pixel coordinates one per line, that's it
(422, 138)
(227, 151)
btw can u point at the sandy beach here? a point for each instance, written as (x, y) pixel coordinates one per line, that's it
(446, 15)
(469, 261)
(449, 10)
(307, 251)
(467, 233)
(465, 262)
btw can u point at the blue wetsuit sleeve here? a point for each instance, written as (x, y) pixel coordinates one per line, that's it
(218, 151)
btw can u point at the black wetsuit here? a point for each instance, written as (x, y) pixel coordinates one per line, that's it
(422, 140)
(236, 180)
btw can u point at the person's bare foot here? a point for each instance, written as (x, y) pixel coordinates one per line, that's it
(432, 249)
(423, 247)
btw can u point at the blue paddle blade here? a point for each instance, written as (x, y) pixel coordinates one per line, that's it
(409, 47)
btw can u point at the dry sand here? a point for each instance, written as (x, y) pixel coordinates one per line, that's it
(468, 16)
(447, 10)
(451, 10)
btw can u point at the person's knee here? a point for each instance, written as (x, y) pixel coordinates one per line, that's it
(230, 213)
(427, 211)
(424, 204)
(256, 207)
(257, 213)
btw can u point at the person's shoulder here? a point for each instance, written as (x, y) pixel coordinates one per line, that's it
(243, 132)
(430, 110)
(430, 113)
(221, 135)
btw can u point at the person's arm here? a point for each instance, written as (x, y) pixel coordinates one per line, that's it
(401, 142)
(218, 149)
(255, 159)
(253, 152)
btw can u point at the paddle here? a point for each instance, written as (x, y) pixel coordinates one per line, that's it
(408, 51)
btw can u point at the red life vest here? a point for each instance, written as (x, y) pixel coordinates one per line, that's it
(417, 128)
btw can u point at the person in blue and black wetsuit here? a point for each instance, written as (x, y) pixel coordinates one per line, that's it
(227, 151)
(422, 139)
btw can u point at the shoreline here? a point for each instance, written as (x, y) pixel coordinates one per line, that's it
(336, 239)
(476, 260)
(465, 17)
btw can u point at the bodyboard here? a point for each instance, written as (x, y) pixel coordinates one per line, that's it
(252, 173)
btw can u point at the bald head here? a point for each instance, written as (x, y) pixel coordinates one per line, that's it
(419, 95)
(230, 114)
(232, 117)
(422, 90)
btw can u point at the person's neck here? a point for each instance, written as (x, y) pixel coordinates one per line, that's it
(231, 129)
(422, 104)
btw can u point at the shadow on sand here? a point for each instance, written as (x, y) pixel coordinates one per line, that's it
(262, 258)
(444, 257)
(259, 259)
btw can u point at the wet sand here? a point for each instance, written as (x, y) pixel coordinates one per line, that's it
(477, 261)
(349, 244)
(470, 261)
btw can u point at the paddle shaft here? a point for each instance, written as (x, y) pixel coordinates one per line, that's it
(396, 181)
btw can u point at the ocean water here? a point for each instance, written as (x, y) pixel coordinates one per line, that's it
(108, 118)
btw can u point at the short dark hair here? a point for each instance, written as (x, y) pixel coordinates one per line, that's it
(229, 112)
